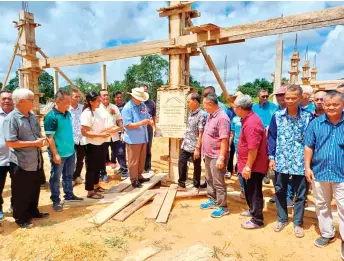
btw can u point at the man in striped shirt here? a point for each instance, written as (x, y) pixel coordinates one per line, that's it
(324, 166)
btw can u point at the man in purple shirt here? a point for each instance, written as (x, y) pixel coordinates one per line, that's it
(215, 151)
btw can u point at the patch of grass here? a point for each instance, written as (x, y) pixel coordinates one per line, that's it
(237, 254)
(219, 252)
(86, 244)
(116, 242)
(48, 223)
(162, 244)
(218, 233)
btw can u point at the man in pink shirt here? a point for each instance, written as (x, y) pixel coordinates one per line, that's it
(252, 160)
(215, 151)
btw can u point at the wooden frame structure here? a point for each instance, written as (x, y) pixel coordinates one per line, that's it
(184, 40)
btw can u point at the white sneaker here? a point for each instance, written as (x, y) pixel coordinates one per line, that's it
(79, 180)
(228, 175)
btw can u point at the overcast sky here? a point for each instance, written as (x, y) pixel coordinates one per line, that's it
(71, 27)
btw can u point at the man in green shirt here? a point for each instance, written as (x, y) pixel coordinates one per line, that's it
(59, 130)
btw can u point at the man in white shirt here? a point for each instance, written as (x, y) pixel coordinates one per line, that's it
(113, 118)
(79, 142)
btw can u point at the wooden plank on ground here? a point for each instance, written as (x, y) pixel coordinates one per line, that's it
(167, 205)
(104, 215)
(125, 184)
(108, 198)
(154, 209)
(137, 204)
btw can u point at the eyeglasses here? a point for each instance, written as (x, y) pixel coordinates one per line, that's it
(265, 96)
(319, 99)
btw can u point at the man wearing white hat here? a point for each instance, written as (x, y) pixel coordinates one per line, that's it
(135, 120)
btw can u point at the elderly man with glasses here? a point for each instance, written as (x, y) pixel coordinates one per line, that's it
(319, 103)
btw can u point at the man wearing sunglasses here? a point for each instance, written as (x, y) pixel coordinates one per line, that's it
(264, 109)
(319, 103)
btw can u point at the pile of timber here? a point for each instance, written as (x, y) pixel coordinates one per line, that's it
(125, 200)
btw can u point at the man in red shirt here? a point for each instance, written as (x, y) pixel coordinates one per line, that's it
(252, 160)
(215, 151)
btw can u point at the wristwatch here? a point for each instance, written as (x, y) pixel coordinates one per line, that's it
(271, 158)
(247, 169)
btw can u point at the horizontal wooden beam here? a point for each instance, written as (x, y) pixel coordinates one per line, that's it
(186, 9)
(107, 54)
(286, 24)
(292, 23)
(177, 6)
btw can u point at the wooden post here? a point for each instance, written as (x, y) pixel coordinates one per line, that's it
(56, 82)
(178, 75)
(278, 66)
(104, 79)
(31, 70)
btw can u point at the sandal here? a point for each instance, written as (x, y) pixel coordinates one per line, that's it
(299, 232)
(95, 195)
(250, 225)
(279, 226)
(100, 190)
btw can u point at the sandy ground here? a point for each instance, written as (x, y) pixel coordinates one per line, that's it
(68, 236)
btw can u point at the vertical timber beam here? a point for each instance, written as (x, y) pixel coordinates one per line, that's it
(278, 66)
(56, 82)
(30, 70)
(103, 75)
(178, 75)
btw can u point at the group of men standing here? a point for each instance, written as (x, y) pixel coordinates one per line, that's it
(124, 130)
(301, 142)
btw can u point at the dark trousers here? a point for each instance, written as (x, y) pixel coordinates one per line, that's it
(105, 147)
(299, 184)
(79, 159)
(148, 163)
(95, 157)
(3, 174)
(230, 165)
(253, 188)
(184, 156)
(25, 187)
(118, 152)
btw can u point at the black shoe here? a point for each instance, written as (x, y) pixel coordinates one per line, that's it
(74, 198)
(144, 180)
(57, 207)
(323, 241)
(204, 185)
(26, 225)
(41, 216)
(136, 184)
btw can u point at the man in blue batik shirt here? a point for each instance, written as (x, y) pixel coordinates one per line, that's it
(324, 166)
(286, 155)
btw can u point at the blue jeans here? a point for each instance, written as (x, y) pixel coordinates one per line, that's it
(299, 184)
(118, 152)
(241, 181)
(290, 189)
(66, 168)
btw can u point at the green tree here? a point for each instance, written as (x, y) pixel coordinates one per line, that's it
(196, 84)
(151, 70)
(252, 88)
(46, 86)
(13, 83)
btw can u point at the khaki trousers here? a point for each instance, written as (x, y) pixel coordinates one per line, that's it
(136, 160)
(322, 192)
